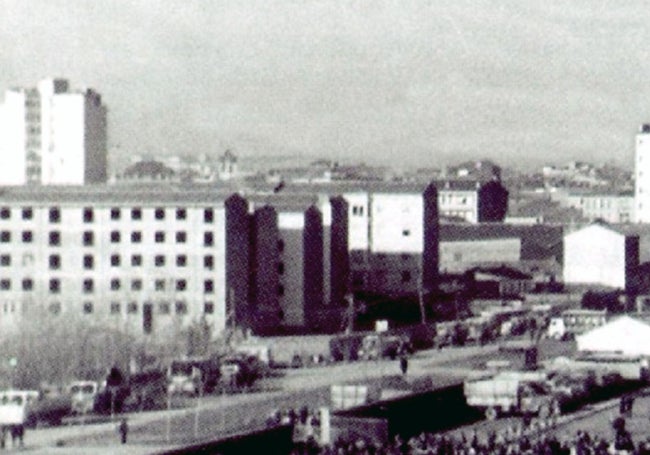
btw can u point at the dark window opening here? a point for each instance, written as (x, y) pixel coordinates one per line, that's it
(88, 215)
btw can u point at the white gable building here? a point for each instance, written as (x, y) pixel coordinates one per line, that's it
(600, 255)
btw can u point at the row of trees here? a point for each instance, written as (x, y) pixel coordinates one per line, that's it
(50, 351)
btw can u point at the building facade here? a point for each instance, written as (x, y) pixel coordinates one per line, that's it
(600, 255)
(535, 249)
(612, 207)
(287, 261)
(642, 175)
(460, 255)
(52, 135)
(472, 201)
(393, 240)
(148, 263)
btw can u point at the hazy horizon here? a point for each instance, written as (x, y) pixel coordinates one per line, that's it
(416, 84)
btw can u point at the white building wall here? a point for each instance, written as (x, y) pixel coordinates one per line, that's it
(396, 223)
(358, 220)
(13, 132)
(642, 176)
(458, 203)
(63, 155)
(595, 255)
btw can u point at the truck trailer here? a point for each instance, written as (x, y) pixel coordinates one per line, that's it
(525, 393)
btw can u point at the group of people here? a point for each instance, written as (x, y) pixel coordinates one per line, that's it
(583, 443)
(291, 416)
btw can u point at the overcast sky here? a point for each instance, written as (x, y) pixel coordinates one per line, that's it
(410, 83)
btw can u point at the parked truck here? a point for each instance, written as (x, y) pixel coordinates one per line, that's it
(239, 371)
(524, 393)
(377, 346)
(193, 376)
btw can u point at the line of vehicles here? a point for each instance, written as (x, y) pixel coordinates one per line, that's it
(152, 389)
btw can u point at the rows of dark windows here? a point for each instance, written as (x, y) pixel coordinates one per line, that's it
(179, 307)
(88, 237)
(88, 285)
(88, 214)
(88, 261)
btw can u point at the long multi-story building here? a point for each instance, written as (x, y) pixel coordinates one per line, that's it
(52, 135)
(129, 259)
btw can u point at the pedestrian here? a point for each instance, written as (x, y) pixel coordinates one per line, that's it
(404, 364)
(124, 430)
(3, 436)
(630, 405)
(17, 434)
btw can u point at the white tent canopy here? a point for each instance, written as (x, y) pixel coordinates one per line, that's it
(623, 335)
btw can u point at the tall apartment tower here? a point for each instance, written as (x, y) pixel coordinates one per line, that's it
(51, 135)
(642, 175)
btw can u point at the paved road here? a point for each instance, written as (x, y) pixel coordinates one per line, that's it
(218, 416)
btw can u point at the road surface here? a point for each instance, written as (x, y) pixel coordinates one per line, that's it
(218, 416)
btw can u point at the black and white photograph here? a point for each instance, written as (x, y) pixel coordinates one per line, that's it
(325, 227)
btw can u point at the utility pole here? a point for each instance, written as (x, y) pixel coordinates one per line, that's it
(350, 314)
(423, 316)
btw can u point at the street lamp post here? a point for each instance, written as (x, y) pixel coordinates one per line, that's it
(198, 408)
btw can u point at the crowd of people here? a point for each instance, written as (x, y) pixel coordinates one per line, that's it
(583, 443)
(518, 439)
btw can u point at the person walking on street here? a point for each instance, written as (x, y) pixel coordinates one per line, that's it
(630, 405)
(124, 430)
(403, 364)
(17, 435)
